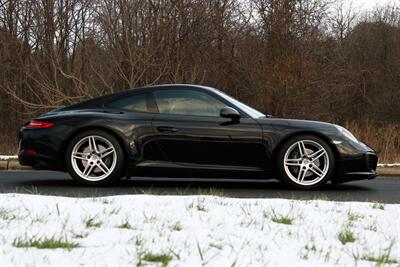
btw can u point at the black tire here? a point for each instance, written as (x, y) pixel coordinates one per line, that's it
(283, 175)
(114, 176)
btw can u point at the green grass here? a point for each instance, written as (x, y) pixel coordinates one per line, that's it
(176, 227)
(80, 235)
(309, 198)
(346, 236)
(150, 191)
(377, 205)
(106, 201)
(380, 260)
(310, 247)
(45, 243)
(6, 215)
(33, 190)
(115, 211)
(353, 216)
(92, 223)
(138, 241)
(200, 207)
(125, 225)
(383, 258)
(282, 219)
(164, 259)
(212, 191)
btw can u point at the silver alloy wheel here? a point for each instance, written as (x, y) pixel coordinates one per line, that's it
(94, 158)
(306, 162)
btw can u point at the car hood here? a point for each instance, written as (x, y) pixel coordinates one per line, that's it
(282, 122)
(288, 127)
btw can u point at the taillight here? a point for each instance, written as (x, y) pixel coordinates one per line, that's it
(29, 152)
(35, 124)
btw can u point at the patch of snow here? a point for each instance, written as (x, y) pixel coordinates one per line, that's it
(2, 157)
(389, 165)
(197, 230)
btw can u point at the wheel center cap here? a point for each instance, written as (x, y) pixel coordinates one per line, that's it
(306, 161)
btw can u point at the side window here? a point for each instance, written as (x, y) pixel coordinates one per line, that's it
(187, 102)
(131, 103)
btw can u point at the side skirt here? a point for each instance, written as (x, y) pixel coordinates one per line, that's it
(171, 169)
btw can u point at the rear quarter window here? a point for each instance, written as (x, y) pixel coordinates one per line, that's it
(131, 103)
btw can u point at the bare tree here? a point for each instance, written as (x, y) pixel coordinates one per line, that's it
(315, 59)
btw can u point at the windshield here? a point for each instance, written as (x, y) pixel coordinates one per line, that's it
(248, 110)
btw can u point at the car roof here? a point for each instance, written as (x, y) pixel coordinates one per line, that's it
(169, 86)
(94, 102)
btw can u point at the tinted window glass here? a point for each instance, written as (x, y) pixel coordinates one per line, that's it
(187, 102)
(249, 110)
(132, 103)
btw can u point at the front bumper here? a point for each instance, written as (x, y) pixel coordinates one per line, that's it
(359, 167)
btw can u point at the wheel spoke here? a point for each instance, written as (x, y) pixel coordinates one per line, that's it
(80, 155)
(302, 149)
(318, 154)
(315, 169)
(92, 144)
(103, 167)
(293, 162)
(301, 175)
(88, 169)
(106, 152)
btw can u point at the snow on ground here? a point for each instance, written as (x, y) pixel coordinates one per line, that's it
(5, 157)
(208, 230)
(389, 165)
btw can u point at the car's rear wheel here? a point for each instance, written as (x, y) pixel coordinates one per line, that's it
(95, 158)
(306, 162)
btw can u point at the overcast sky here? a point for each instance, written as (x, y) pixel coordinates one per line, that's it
(369, 4)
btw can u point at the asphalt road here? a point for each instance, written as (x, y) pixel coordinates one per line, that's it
(382, 189)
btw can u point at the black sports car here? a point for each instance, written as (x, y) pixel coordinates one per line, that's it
(166, 129)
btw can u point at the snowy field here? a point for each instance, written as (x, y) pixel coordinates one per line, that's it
(149, 230)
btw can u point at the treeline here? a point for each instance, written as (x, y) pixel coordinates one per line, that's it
(309, 59)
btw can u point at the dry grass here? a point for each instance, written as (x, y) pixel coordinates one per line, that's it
(8, 144)
(383, 137)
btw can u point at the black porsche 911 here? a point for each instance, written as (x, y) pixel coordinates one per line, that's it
(166, 129)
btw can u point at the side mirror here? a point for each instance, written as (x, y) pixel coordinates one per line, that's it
(231, 113)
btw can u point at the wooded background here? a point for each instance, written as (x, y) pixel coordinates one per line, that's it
(311, 59)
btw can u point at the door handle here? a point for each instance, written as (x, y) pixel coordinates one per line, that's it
(166, 129)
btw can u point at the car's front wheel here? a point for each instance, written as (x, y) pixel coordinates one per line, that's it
(95, 158)
(306, 162)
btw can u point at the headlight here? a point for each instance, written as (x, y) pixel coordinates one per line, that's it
(347, 133)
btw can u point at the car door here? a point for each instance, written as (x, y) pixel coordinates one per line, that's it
(190, 131)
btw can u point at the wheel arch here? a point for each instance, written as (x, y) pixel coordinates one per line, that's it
(117, 136)
(324, 137)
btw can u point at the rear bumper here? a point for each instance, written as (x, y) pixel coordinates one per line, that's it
(42, 148)
(37, 161)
